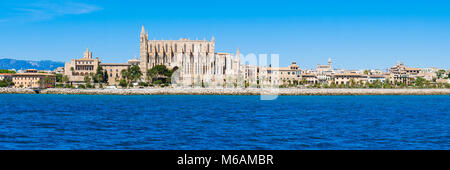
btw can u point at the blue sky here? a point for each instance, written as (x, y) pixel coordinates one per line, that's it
(356, 34)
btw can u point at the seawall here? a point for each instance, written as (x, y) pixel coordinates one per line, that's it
(232, 91)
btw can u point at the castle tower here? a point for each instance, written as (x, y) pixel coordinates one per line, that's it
(144, 51)
(87, 54)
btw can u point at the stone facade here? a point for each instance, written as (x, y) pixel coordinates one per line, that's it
(5, 76)
(347, 78)
(32, 79)
(196, 60)
(77, 69)
(282, 75)
(402, 74)
(113, 70)
(324, 72)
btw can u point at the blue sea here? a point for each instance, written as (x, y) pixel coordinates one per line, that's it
(44, 121)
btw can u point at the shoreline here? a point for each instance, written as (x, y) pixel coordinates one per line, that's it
(229, 91)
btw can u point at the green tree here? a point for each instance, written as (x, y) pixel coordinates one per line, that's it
(7, 71)
(59, 78)
(387, 83)
(48, 82)
(123, 83)
(159, 72)
(6, 83)
(440, 73)
(131, 74)
(419, 82)
(105, 76)
(87, 80)
(333, 85)
(352, 83)
(304, 81)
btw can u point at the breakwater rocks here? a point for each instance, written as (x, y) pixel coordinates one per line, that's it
(16, 90)
(233, 91)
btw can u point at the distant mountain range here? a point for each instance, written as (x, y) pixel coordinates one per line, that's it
(7, 63)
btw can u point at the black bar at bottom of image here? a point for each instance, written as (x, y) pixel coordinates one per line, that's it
(227, 158)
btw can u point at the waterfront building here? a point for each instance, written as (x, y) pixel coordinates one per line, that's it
(32, 79)
(113, 70)
(324, 72)
(429, 76)
(374, 78)
(77, 69)
(310, 78)
(251, 76)
(59, 70)
(134, 61)
(347, 78)
(375, 72)
(401, 74)
(196, 60)
(5, 76)
(281, 75)
(443, 81)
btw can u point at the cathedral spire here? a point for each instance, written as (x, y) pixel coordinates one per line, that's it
(238, 55)
(143, 30)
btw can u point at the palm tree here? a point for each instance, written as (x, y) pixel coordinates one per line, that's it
(132, 74)
(125, 74)
(87, 79)
(47, 82)
(65, 79)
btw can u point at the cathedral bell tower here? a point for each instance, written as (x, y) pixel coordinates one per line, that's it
(144, 51)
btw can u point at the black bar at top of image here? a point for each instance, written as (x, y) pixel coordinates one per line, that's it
(233, 158)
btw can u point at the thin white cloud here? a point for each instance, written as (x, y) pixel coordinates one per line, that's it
(47, 10)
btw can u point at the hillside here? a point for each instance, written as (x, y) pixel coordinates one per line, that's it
(27, 64)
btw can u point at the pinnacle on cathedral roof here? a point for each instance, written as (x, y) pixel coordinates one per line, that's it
(238, 54)
(143, 29)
